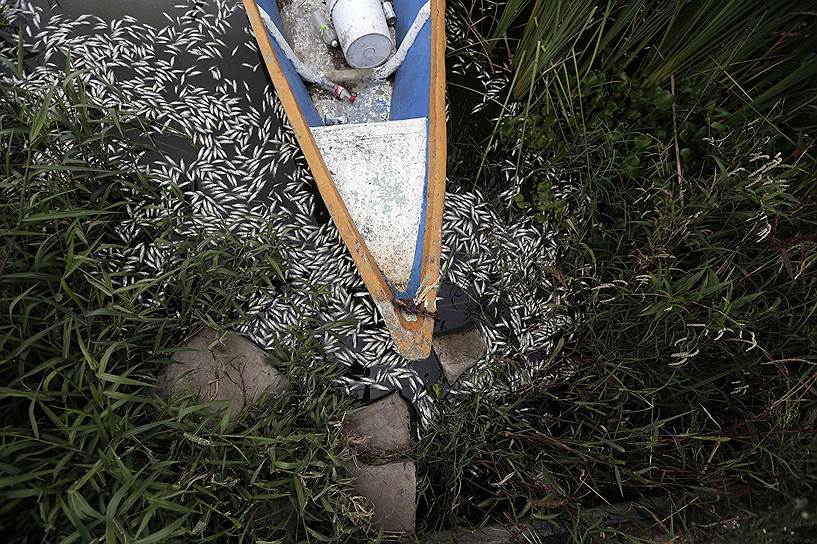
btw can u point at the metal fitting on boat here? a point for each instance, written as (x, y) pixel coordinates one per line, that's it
(324, 27)
(388, 11)
(362, 31)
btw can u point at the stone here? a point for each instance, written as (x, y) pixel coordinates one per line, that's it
(381, 427)
(495, 535)
(392, 491)
(459, 351)
(487, 535)
(233, 371)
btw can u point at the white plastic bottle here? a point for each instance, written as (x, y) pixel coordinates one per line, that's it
(324, 27)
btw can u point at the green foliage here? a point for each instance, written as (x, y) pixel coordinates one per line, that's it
(619, 126)
(683, 193)
(768, 50)
(688, 380)
(88, 452)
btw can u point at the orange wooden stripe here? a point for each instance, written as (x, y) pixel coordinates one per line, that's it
(437, 158)
(437, 152)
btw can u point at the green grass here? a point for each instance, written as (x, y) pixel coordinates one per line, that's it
(767, 51)
(690, 376)
(87, 450)
(679, 142)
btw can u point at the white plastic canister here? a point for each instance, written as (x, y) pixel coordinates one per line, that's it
(362, 31)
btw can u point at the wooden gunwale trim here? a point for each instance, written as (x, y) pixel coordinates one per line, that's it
(412, 338)
(437, 159)
(437, 155)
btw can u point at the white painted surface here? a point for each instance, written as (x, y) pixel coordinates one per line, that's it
(379, 170)
(362, 31)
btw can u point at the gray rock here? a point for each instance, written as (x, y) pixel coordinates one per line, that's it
(233, 371)
(458, 352)
(494, 535)
(392, 491)
(488, 535)
(381, 427)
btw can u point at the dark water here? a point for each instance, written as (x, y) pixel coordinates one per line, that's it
(152, 12)
(455, 308)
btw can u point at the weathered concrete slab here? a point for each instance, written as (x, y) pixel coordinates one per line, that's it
(494, 535)
(233, 371)
(392, 490)
(382, 427)
(459, 351)
(488, 535)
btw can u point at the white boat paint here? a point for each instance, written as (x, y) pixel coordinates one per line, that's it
(380, 171)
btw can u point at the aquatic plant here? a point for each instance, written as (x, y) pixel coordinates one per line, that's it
(89, 452)
(686, 212)
(767, 51)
